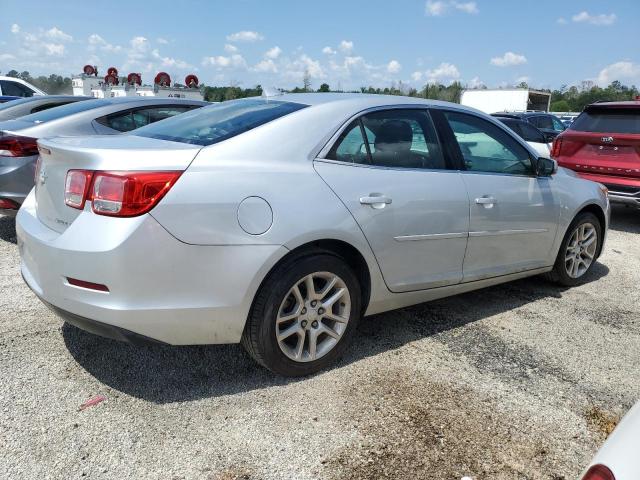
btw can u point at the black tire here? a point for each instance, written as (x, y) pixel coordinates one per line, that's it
(559, 273)
(259, 336)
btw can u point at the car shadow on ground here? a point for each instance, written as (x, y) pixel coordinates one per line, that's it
(8, 229)
(625, 219)
(165, 374)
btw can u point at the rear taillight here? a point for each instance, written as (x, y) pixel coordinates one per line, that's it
(17, 146)
(76, 187)
(556, 147)
(599, 472)
(118, 194)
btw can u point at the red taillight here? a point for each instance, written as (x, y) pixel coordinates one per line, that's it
(599, 472)
(16, 146)
(118, 194)
(76, 187)
(128, 194)
(556, 147)
(6, 204)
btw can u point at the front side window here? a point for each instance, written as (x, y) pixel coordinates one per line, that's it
(558, 126)
(541, 121)
(215, 123)
(487, 148)
(531, 133)
(391, 138)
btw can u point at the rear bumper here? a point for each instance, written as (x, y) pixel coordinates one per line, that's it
(159, 287)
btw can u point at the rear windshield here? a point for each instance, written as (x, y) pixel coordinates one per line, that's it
(608, 121)
(219, 122)
(69, 109)
(13, 103)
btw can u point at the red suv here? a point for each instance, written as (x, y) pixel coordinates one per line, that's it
(603, 145)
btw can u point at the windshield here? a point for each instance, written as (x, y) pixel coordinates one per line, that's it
(69, 109)
(213, 124)
(614, 120)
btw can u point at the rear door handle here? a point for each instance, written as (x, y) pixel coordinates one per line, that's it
(487, 201)
(375, 200)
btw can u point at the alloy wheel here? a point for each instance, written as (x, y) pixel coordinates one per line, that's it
(581, 250)
(313, 316)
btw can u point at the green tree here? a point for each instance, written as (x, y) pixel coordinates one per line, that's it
(324, 88)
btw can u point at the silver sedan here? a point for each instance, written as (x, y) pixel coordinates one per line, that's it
(278, 222)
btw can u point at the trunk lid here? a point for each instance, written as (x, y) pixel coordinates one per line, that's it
(604, 139)
(113, 153)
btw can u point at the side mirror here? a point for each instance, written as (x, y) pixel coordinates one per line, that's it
(546, 167)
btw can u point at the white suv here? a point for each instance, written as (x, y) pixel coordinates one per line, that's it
(16, 87)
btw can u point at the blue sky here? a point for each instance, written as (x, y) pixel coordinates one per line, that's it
(345, 43)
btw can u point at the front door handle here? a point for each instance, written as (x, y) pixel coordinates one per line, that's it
(486, 201)
(375, 200)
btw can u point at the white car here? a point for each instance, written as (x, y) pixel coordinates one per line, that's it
(529, 134)
(16, 87)
(618, 458)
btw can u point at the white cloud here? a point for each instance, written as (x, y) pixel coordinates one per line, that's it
(15, 28)
(55, 33)
(328, 51)
(6, 56)
(443, 73)
(509, 59)
(437, 8)
(561, 21)
(524, 79)
(162, 41)
(475, 82)
(266, 66)
(230, 48)
(394, 66)
(170, 61)
(601, 19)
(220, 61)
(346, 46)
(416, 76)
(622, 71)
(466, 7)
(273, 53)
(245, 36)
(96, 41)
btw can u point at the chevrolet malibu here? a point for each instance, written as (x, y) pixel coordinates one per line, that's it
(278, 222)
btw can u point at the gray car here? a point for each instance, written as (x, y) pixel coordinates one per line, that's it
(18, 149)
(26, 106)
(278, 222)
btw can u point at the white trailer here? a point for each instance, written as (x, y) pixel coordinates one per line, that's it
(506, 100)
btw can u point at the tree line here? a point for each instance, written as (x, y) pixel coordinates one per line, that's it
(566, 99)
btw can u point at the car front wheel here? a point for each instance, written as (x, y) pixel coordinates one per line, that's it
(304, 315)
(578, 251)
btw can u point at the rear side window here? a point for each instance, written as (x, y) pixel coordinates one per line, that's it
(215, 123)
(542, 121)
(608, 121)
(391, 138)
(532, 134)
(141, 117)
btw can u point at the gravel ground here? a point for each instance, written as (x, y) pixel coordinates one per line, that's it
(520, 381)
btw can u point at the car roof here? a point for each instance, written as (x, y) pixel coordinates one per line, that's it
(357, 100)
(621, 104)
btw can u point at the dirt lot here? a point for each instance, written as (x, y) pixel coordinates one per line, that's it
(521, 381)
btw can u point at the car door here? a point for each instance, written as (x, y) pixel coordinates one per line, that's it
(513, 213)
(388, 169)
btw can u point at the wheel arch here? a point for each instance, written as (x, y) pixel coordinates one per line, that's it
(345, 250)
(596, 210)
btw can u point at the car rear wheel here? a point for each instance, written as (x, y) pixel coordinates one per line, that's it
(578, 251)
(304, 315)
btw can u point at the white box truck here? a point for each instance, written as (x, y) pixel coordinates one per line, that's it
(506, 100)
